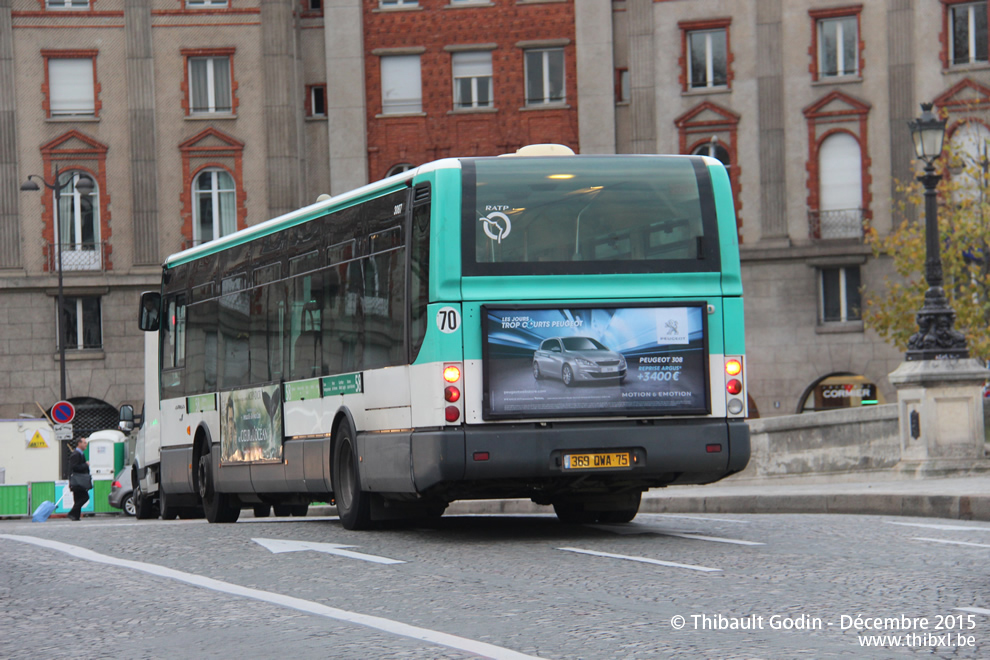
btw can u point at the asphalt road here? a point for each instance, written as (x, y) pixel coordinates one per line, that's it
(726, 586)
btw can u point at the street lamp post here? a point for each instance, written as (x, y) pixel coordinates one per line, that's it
(84, 186)
(936, 339)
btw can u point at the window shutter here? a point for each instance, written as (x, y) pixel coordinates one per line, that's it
(70, 86)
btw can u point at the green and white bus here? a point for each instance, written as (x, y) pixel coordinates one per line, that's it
(562, 328)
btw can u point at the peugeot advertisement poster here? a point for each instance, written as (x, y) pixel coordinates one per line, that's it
(595, 361)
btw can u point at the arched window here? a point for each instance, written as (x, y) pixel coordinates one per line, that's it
(969, 150)
(214, 205)
(398, 169)
(78, 226)
(840, 168)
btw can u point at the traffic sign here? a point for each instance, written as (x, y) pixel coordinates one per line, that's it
(63, 412)
(63, 432)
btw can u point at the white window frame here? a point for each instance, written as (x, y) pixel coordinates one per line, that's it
(199, 4)
(221, 225)
(73, 308)
(68, 77)
(76, 254)
(211, 86)
(971, 9)
(709, 81)
(63, 5)
(844, 311)
(397, 74)
(545, 73)
(463, 62)
(840, 54)
(398, 3)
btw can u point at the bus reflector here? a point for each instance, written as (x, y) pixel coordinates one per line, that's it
(733, 367)
(713, 449)
(481, 455)
(733, 386)
(452, 414)
(451, 373)
(451, 393)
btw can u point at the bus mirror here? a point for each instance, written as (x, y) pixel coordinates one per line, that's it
(151, 302)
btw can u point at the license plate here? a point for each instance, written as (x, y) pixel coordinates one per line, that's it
(592, 461)
(610, 370)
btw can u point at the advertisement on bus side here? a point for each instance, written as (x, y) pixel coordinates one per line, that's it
(251, 425)
(595, 361)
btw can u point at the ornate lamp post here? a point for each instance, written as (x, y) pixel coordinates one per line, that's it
(84, 185)
(936, 339)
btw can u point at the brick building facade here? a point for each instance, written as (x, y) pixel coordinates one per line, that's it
(197, 117)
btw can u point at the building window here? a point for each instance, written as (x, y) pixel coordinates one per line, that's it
(399, 3)
(209, 85)
(545, 76)
(838, 46)
(314, 5)
(969, 156)
(196, 4)
(78, 228)
(402, 91)
(82, 325)
(66, 4)
(71, 87)
(398, 169)
(469, 2)
(840, 177)
(623, 86)
(708, 56)
(316, 101)
(838, 291)
(214, 205)
(472, 79)
(968, 33)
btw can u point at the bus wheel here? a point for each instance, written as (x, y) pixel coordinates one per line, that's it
(299, 510)
(621, 515)
(216, 505)
(574, 513)
(567, 375)
(353, 505)
(262, 510)
(167, 512)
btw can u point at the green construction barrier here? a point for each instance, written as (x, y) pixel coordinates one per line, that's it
(14, 500)
(100, 495)
(41, 491)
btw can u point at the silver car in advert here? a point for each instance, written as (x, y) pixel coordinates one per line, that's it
(578, 360)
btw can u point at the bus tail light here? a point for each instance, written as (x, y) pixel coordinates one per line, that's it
(452, 393)
(735, 386)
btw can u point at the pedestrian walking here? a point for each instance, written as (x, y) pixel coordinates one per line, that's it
(80, 480)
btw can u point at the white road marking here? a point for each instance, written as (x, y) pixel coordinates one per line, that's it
(974, 610)
(633, 528)
(375, 622)
(645, 560)
(950, 528)
(279, 546)
(972, 545)
(678, 515)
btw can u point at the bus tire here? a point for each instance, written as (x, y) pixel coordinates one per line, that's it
(622, 515)
(262, 510)
(299, 510)
(567, 375)
(353, 505)
(167, 512)
(216, 506)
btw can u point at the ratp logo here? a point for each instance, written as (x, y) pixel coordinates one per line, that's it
(497, 226)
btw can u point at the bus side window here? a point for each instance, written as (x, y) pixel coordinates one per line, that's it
(173, 343)
(419, 274)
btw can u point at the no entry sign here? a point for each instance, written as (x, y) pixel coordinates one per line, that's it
(63, 412)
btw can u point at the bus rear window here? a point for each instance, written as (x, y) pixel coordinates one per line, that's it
(588, 214)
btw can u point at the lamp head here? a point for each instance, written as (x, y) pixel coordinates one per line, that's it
(84, 184)
(29, 185)
(928, 133)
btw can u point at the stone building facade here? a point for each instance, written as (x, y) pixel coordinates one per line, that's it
(194, 118)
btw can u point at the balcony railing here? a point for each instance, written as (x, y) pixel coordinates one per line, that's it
(77, 256)
(836, 224)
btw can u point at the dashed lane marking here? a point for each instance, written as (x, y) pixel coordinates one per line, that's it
(644, 560)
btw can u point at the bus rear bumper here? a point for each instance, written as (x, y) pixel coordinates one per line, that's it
(688, 451)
